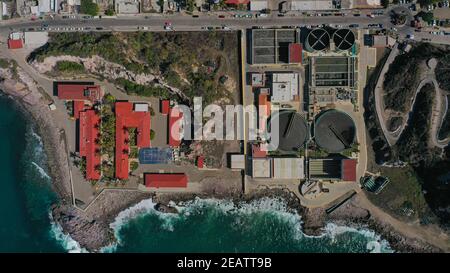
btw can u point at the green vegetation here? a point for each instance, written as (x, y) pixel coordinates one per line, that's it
(134, 165)
(413, 146)
(444, 131)
(108, 134)
(132, 88)
(152, 134)
(195, 68)
(4, 63)
(88, 7)
(110, 11)
(353, 149)
(426, 16)
(385, 3)
(403, 196)
(443, 72)
(69, 67)
(133, 152)
(401, 82)
(404, 75)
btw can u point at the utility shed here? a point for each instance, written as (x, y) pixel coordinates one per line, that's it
(288, 168)
(261, 167)
(140, 107)
(258, 5)
(237, 161)
(35, 38)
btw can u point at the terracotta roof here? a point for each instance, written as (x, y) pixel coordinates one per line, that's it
(71, 91)
(15, 44)
(127, 118)
(88, 146)
(166, 180)
(349, 169)
(295, 53)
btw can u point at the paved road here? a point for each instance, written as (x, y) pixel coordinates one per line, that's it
(189, 23)
(379, 96)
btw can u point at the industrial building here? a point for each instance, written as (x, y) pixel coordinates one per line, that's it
(237, 161)
(127, 6)
(288, 168)
(332, 71)
(258, 5)
(285, 87)
(292, 130)
(334, 131)
(307, 5)
(165, 180)
(333, 169)
(273, 46)
(262, 167)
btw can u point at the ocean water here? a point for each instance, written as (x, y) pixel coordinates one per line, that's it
(209, 225)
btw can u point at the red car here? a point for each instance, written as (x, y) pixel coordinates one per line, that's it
(221, 16)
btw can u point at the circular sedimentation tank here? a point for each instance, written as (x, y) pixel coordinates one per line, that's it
(334, 131)
(293, 130)
(343, 39)
(317, 40)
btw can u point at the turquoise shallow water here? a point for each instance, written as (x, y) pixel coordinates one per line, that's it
(25, 195)
(202, 225)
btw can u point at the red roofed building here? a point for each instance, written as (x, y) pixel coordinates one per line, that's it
(175, 121)
(165, 107)
(15, 43)
(263, 110)
(257, 152)
(78, 106)
(200, 162)
(295, 53)
(349, 169)
(70, 91)
(165, 180)
(89, 122)
(127, 118)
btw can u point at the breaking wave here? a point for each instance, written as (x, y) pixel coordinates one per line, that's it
(69, 244)
(242, 214)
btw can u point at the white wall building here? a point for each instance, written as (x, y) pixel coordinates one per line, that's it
(288, 168)
(303, 5)
(258, 5)
(285, 87)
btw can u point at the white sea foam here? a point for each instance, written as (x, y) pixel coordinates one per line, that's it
(65, 240)
(41, 170)
(275, 206)
(375, 245)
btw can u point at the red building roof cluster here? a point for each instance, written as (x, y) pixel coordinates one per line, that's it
(295, 53)
(349, 169)
(175, 121)
(89, 122)
(127, 118)
(166, 180)
(71, 91)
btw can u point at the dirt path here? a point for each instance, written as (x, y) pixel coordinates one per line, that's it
(429, 234)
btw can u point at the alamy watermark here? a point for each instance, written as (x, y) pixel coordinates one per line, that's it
(233, 122)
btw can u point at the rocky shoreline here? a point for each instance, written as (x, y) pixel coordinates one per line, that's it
(91, 228)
